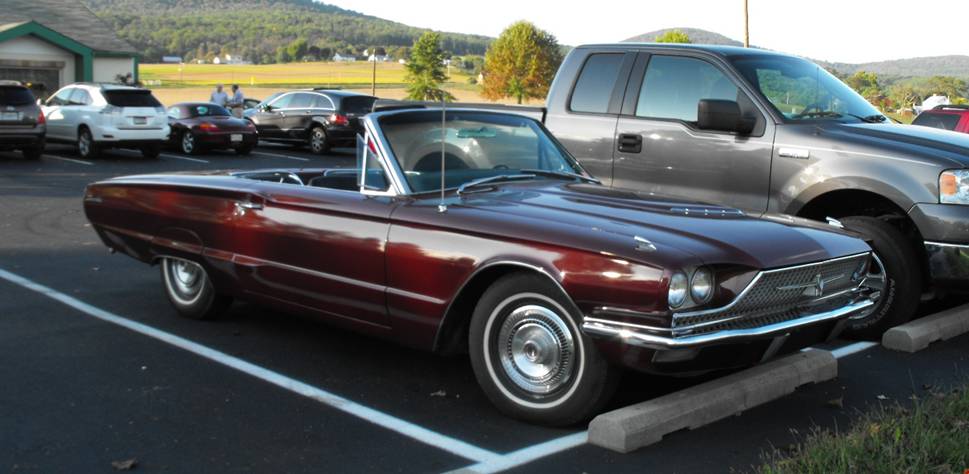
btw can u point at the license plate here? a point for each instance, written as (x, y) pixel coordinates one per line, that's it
(236, 137)
(10, 117)
(141, 120)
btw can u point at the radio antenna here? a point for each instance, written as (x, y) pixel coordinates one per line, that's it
(443, 207)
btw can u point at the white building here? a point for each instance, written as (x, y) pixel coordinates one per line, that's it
(341, 58)
(52, 43)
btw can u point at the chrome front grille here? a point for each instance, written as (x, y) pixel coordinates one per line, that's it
(779, 295)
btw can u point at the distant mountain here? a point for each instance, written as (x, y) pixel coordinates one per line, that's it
(261, 30)
(696, 35)
(955, 65)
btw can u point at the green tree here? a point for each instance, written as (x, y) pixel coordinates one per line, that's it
(949, 86)
(521, 63)
(426, 70)
(903, 95)
(866, 84)
(673, 36)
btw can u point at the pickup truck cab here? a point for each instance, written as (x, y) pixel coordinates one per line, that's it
(778, 135)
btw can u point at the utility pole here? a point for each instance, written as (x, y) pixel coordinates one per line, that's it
(746, 26)
(373, 80)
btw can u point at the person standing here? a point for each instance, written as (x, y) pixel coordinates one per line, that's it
(219, 97)
(238, 101)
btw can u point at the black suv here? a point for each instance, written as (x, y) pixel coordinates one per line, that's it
(319, 118)
(22, 124)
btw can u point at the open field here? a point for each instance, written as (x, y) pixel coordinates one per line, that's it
(322, 74)
(170, 96)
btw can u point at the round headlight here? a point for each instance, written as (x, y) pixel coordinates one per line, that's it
(678, 289)
(701, 288)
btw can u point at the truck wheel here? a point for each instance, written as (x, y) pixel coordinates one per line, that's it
(190, 291)
(900, 278)
(530, 357)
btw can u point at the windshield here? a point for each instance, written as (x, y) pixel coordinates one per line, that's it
(208, 110)
(476, 145)
(357, 105)
(802, 90)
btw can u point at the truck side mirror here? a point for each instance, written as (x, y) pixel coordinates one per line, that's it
(723, 116)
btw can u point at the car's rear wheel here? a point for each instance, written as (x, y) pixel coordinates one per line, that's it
(530, 357)
(151, 151)
(188, 143)
(190, 291)
(318, 143)
(86, 146)
(895, 274)
(33, 152)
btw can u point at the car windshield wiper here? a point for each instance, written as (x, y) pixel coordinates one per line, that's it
(493, 179)
(562, 174)
(820, 113)
(876, 118)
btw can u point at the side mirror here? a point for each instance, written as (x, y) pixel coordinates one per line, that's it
(723, 116)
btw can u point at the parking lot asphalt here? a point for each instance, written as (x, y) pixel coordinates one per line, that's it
(97, 368)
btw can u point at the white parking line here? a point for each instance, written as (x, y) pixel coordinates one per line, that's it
(850, 349)
(529, 454)
(72, 160)
(276, 155)
(406, 428)
(178, 157)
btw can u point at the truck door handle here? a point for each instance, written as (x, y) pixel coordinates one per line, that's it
(630, 143)
(243, 206)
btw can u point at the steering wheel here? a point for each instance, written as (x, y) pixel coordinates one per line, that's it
(807, 110)
(500, 167)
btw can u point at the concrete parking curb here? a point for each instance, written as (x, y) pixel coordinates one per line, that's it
(630, 428)
(918, 334)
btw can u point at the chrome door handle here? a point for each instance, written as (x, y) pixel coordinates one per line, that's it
(243, 206)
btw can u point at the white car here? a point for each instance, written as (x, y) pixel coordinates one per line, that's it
(99, 116)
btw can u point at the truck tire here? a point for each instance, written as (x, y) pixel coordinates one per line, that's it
(902, 289)
(530, 357)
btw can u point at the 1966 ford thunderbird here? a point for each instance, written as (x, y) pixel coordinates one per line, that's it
(551, 281)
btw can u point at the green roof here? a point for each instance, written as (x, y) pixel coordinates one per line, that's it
(69, 18)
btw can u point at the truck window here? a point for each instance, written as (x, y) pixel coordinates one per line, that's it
(674, 85)
(596, 81)
(943, 121)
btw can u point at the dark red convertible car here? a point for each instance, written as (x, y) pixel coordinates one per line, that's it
(551, 281)
(198, 126)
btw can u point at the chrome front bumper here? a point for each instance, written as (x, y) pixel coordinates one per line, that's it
(948, 263)
(653, 338)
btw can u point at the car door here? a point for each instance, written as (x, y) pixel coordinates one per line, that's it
(313, 247)
(269, 120)
(660, 150)
(54, 112)
(586, 123)
(297, 120)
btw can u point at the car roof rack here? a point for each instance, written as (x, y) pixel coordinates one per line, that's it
(951, 106)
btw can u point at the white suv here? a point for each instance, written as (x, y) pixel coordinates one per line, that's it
(98, 116)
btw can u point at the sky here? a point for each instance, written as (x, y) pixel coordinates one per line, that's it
(852, 31)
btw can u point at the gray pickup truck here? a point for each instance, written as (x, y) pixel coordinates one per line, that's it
(773, 134)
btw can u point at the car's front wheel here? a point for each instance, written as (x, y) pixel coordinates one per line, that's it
(190, 291)
(530, 357)
(895, 274)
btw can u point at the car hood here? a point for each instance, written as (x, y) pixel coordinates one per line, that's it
(604, 219)
(943, 147)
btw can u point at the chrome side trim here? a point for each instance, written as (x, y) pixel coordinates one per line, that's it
(941, 244)
(595, 327)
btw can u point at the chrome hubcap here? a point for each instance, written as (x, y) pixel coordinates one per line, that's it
(84, 144)
(188, 143)
(536, 349)
(185, 280)
(317, 142)
(875, 281)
